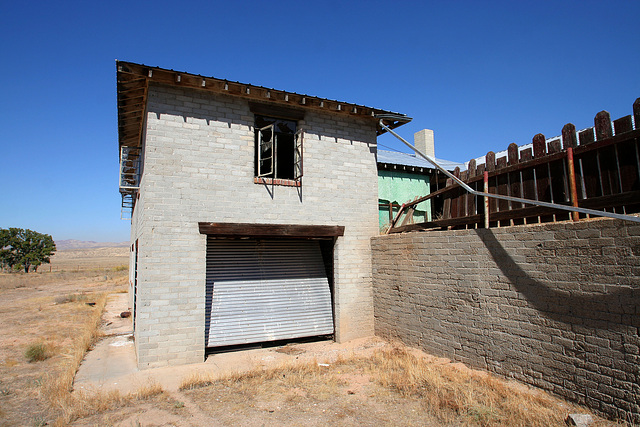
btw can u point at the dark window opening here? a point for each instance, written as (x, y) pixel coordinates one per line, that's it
(278, 149)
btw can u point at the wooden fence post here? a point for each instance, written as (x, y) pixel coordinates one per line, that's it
(541, 174)
(490, 166)
(572, 183)
(486, 199)
(513, 157)
(603, 125)
(569, 136)
(471, 199)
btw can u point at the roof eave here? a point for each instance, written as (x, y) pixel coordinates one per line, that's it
(133, 82)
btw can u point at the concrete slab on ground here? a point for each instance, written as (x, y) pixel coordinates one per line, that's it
(113, 358)
(112, 321)
(111, 365)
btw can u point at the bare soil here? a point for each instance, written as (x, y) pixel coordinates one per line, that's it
(378, 384)
(33, 311)
(97, 259)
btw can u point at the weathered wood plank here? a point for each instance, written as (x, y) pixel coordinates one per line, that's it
(455, 197)
(587, 165)
(622, 125)
(528, 185)
(541, 172)
(446, 210)
(502, 184)
(586, 137)
(602, 123)
(514, 177)
(631, 199)
(559, 180)
(222, 229)
(471, 199)
(629, 155)
(569, 138)
(490, 165)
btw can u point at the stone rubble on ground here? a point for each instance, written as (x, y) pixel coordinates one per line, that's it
(579, 420)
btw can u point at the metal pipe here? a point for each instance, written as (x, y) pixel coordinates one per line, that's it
(513, 199)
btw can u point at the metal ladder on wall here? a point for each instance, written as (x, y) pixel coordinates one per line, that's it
(129, 179)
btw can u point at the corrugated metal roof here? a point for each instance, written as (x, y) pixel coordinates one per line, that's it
(404, 159)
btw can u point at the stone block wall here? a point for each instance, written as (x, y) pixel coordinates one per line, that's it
(555, 305)
(199, 167)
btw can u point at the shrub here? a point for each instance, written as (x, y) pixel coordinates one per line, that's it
(70, 298)
(37, 352)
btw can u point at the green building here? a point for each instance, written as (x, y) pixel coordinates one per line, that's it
(402, 177)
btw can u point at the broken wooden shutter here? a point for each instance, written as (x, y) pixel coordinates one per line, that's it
(297, 157)
(266, 150)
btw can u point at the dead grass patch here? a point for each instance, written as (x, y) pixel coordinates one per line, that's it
(81, 404)
(64, 299)
(454, 393)
(30, 314)
(37, 352)
(58, 387)
(391, 387)
(196, 380)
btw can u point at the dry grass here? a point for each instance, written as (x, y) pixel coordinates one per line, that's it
(305, 377)
(196, 380)
(451, 392)
(287, 375)
(46, 279)
(392, 387)
(81, 405)
(37, 352)
(70, 298)
(31, 312)
(57, 388)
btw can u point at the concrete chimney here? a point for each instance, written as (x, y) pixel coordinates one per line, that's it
(423, 141)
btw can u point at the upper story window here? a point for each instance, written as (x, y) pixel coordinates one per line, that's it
(278, 151)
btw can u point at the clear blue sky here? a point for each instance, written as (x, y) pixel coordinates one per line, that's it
(480, 74)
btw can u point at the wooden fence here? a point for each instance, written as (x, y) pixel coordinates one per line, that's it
(604, 175)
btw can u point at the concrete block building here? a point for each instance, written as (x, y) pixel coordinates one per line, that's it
(251, 212)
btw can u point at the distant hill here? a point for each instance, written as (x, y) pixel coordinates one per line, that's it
(63, 245)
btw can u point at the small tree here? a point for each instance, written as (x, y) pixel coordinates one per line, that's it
(25, 247)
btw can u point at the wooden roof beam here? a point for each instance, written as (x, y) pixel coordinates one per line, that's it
(221, 229)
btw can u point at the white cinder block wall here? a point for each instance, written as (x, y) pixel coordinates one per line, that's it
(199, 166)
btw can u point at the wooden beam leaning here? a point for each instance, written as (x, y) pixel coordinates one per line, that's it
(228, 229)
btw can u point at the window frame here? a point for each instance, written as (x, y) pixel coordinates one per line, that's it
(266, 151)
(263, 147)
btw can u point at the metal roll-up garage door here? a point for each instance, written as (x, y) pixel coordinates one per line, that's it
(265, 290)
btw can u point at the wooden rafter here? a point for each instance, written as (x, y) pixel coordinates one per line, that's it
(132, 89)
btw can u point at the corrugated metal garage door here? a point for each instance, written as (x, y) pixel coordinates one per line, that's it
(266, 290)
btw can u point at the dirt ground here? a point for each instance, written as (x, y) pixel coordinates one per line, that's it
(88, 259)
(374, 384)
(32, 311)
